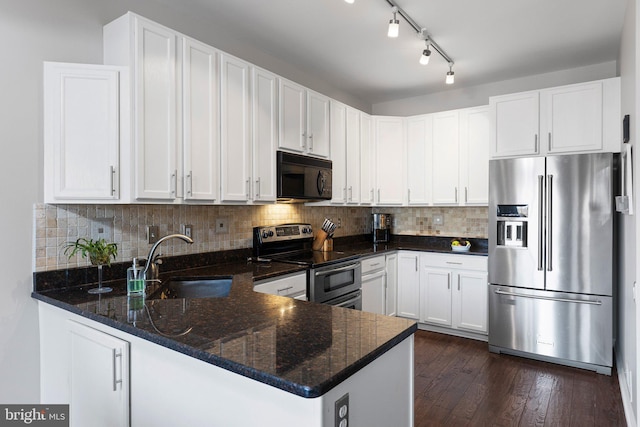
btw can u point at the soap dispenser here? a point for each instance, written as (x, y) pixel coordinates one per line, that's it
(135, 279)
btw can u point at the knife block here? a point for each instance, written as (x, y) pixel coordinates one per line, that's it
(318, 242)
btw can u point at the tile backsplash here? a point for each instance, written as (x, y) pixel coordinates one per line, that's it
(126, 225)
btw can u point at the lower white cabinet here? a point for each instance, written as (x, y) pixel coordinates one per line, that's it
(98, 378)
(374, 284)
(408, 284)
(453, 291)
(292, 286)
(392, 284)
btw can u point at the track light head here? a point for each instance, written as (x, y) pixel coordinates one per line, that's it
(394, 25)
(350, 1)
(426, 55)
(450, 75)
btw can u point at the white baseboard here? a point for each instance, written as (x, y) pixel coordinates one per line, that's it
(624, 392)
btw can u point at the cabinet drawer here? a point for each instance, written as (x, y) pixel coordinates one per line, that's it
(293, 285)
(458, 262)
(373, 263)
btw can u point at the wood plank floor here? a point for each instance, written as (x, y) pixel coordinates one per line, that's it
(458, 382)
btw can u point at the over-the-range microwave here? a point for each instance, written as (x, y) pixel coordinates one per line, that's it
(302, 178)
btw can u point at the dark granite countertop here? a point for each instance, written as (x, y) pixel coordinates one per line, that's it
(297, 346)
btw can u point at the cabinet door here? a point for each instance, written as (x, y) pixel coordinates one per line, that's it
(338, 152)
(445, 158)
(265, 134)
(419, 149)
(292, 116)
(353, 155)
(392, 284)
(514, 125)
(155, 111)
(366, 159)
(318, 140)
(408, 285)
(82, 132)
(389, 162)
(571, 119)
(99, 378)
(435, 296)
(470, 301)
(373, 293)
(201, 97)
(234, 129)
(474, 156)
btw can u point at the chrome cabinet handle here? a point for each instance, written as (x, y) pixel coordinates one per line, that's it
(248, 187)
(310, 142)
(456, 188)
(258, 188)
(112, 171)
(303, 141)
(378, 195)
(115, 355)
(454, 263)
(549, 141)
(174, 182)
(416, 263)
(408, 195)
(448, 280)
(284, 289)
(540, 218)
(190, 183)
(466, 199)
(350, 193)
(344, 193)
(458, 282)
(372, 196)
(535, 143)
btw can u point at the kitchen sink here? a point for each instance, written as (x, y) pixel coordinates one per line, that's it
(194, 287)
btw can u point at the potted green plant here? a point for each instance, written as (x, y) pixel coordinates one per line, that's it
(99, 252)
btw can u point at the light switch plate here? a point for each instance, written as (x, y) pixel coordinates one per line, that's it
(152, 233)
(187, 230)
(222, 225)
(438, 219)
(102, 229)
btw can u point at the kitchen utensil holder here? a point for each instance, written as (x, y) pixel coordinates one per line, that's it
(327, 246)
(318, 242)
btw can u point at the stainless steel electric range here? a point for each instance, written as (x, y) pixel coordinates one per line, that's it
(333, 277)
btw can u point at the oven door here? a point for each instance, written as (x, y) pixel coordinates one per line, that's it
(352, 300)
(333, 281)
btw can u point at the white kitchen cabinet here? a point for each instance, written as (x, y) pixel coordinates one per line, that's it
(338, 152)
(408, 304)
(303, 120)
(389, 160)
(446, 148)
(367, 156)
(149, 50)
(235, 140)
(392, 284)
(453, 291)
(374, 284)
(84, 132)
(200, 120)
(291, 285)
(474, 156)
(353, 155)
(419, 159)
(575, 118)
(265, 134)
(98, 378)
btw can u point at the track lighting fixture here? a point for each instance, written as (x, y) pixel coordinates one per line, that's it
(350, 1)
(450, 75)
(426, 55)
(394, 24)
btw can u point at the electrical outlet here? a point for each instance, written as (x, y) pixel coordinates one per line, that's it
(438, 219)
(153, 232)
(222, 226)
(187, 230)
(339, 223)
(102, 229)
(342, 411)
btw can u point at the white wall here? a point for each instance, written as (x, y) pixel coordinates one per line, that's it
(479, 95)
(34, 31)
(627, 330)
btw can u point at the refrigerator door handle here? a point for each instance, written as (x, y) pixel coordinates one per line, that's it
(577, 301)
(549, 220)
(540, 219)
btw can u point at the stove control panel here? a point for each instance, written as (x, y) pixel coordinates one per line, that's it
(279, 233)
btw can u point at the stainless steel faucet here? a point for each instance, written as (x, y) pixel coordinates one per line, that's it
(155, 270)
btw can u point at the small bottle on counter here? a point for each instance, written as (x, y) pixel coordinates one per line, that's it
(135, 279)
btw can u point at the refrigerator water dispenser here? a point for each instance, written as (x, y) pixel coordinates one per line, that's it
(512, 225)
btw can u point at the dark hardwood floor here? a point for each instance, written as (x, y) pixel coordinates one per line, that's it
(458, 382)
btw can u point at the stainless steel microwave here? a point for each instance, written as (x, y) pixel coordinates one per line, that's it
(302, 178)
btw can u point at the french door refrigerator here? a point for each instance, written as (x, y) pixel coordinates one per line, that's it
(552, 248)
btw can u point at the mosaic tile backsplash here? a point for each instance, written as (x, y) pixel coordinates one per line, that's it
(126, 225)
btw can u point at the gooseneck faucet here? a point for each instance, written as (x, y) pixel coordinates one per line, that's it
(153, 250)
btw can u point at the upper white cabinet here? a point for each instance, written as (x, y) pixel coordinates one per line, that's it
(304, 120)
(353, 155)
(200, 120)
(419, 159)
(265, 134)
(235, 123)
(149, 50)
(367, 155)
(389, 160)
(345, 149)
(567, 119)
(445, 166)
(474, 156)
(83, 133)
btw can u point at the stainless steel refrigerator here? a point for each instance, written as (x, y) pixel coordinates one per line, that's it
(552, 276)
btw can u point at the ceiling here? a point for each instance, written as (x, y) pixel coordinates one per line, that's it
(346, 45)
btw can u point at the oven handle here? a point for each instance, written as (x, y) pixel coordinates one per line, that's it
(348, 299)
(334, 270)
